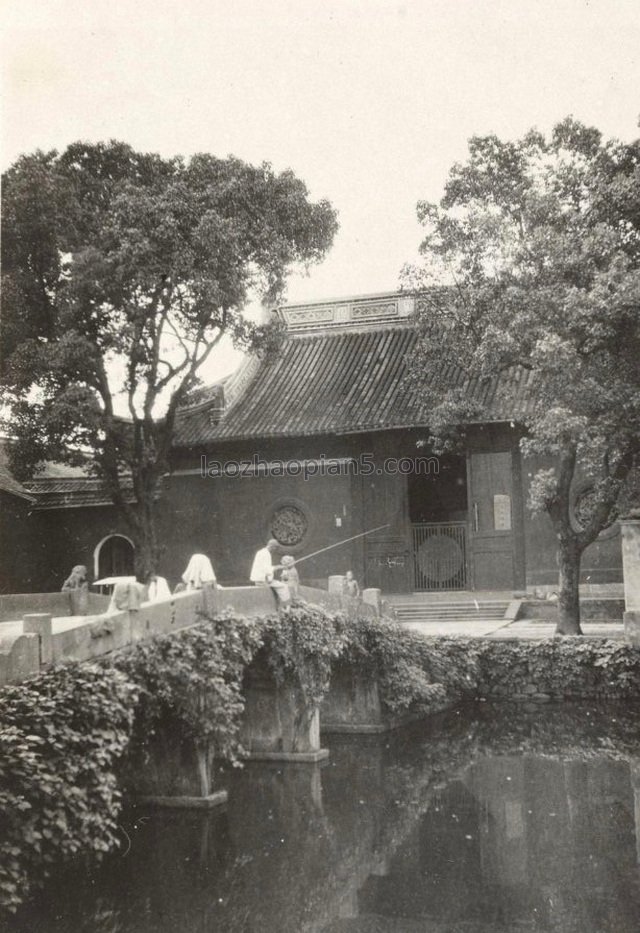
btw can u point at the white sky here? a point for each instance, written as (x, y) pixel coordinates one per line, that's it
(368, 101)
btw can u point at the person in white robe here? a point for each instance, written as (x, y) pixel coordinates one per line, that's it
(158, 589)
(262, 573)
(199, 571)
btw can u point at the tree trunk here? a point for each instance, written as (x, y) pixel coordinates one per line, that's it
(569, 551)
(145, 537)
(147, 551)
(569, 596)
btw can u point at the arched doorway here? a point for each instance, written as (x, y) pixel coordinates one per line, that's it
(113, 557)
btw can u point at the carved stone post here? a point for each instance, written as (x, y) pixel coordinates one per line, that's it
(630, 527)
(39, 623)
(373, 597)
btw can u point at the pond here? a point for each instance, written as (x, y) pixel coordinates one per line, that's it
(492, 819)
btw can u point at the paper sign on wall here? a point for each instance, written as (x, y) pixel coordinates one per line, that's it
(502, 513)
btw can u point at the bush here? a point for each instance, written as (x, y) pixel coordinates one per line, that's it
(559, 667)
(61, 736)
(65, 732)
(414, 674)
(194, 676)
(301, 644)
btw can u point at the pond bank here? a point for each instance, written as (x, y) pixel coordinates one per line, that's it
(66, 730)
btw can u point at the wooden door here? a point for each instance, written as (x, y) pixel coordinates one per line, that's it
(491, 519)
(387, 564)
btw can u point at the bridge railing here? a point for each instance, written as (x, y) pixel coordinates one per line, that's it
(36, 642)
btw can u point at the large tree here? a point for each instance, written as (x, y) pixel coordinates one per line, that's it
(530, 269)
(122, 272)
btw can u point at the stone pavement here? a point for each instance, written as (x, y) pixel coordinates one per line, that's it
(496, 628)
(526, 629)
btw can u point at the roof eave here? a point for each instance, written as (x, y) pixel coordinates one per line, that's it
(17, 494)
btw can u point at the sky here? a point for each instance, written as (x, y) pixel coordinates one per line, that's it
(370, 102)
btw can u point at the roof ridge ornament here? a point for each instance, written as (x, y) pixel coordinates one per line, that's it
(369, 312)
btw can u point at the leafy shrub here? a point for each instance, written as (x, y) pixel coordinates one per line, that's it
(195, 676)
(61, 736)
(301, 644)
(64, 734)
(383, 649)
(560, 667)
(454, 662)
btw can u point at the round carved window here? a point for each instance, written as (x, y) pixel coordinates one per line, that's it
(289, 525)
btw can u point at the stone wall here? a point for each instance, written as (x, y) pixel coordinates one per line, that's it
(605, 609)
(557, 669)
(19, 657)
(19, 545)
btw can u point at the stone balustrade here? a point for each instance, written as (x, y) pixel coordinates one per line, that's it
(81, 602)
(30, 645)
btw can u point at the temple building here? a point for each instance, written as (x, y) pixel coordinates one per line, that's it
(321, 443)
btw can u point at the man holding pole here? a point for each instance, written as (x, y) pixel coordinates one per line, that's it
(262, 573)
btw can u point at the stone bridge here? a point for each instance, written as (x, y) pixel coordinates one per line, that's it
(277, 725)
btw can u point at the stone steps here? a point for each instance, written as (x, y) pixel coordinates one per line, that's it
(458, 611)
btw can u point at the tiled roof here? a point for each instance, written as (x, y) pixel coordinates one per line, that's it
(58, 485)
(71, 492)
(12, 486)
(340, 382)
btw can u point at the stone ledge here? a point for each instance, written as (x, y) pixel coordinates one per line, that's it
(592, 609)
(345, 728)
(293, 757)
(372, 728)
(184, 803)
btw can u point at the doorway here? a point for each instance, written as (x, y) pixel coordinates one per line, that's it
(438, 512)
(113, 557)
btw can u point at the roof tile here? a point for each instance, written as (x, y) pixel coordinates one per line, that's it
(340, 382)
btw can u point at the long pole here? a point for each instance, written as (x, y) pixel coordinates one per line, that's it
(338, 543)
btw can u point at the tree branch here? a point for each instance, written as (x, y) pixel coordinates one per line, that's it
(601, 515)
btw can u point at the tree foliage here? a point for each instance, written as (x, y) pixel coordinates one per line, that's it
(122, 271)
(530, 274)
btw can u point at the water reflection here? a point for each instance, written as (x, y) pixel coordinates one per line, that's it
(487, 821)
(520, 843)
